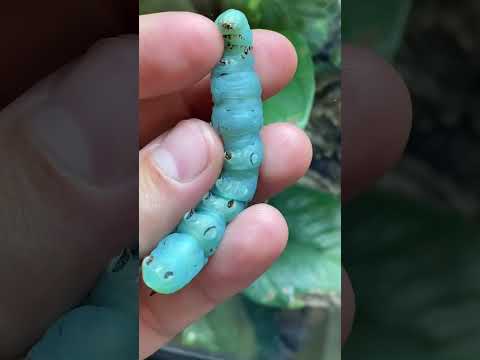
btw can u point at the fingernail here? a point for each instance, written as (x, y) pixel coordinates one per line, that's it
(184, 153)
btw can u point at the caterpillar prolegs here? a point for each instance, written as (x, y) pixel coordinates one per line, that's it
(237, 116)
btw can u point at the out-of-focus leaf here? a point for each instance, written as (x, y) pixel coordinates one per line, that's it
(294, 103)
(278, 334)
(308, 273)
(225, 330)
(302, 276)
(376, 24)
(422, 264)
(317, 20)
(313, 217)
(154, 6)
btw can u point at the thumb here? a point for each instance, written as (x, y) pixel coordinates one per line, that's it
(176, 170)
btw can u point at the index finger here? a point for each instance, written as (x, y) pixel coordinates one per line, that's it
(191, 47)
(162, 112)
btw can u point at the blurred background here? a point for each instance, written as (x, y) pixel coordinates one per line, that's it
(411, 245)
(293, 310)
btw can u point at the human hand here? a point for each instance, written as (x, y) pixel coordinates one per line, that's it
(69, 187)
(376, 124)
(181, 157)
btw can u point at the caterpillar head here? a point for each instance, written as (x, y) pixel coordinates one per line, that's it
(173, 263)
(232, 22)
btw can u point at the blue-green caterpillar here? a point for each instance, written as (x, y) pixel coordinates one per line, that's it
(237, 116)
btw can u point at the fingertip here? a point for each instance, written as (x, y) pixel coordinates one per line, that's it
(284, 48)
(275, 64)
(176, 50)
(252, 242)
(272, 229)
(268, 234)
(284, 144)
(275, 60)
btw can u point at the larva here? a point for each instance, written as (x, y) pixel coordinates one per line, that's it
(237, 116)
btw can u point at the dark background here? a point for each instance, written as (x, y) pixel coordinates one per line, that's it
(411, 244)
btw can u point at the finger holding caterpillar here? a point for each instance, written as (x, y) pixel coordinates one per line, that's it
(162, 110)
(237, 117)
(163, 202)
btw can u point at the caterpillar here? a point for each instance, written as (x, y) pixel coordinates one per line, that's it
(237, 116)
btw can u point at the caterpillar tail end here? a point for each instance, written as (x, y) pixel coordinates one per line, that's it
(231, 20)
(176, 260)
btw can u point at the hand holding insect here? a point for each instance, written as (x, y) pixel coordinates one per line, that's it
(238, 118)
(184, 161)
(256, 237)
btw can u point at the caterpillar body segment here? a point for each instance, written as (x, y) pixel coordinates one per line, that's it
(238, 118)
(176, 260)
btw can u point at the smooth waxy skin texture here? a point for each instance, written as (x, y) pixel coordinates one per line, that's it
(174, 262)
(237, 117)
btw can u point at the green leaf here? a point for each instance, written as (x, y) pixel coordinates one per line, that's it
(319, 21)
(313, 217)
(308, 273)
(294, 103)
(154, 6)
(376, 24)
(302, 276)
(226, 330)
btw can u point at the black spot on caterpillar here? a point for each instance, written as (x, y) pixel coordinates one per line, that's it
(168, 274)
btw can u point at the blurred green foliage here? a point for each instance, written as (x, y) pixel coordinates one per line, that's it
(240, 329)
(153, 6)
(376, 24)
(317, 20)
(308, 273)
(421, 264)
(227, 330)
